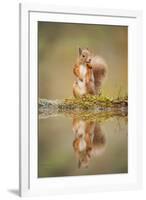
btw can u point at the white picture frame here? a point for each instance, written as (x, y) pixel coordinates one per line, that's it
(30, 185)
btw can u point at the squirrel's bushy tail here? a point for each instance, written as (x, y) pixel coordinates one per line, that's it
(99, 70)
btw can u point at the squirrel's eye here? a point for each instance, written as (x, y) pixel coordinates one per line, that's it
(83, 56)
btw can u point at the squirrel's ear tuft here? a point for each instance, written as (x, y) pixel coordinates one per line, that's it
(80, 51)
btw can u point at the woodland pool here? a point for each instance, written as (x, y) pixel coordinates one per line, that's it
(72, 144)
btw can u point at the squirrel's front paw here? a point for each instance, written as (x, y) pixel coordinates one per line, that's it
(89, 65)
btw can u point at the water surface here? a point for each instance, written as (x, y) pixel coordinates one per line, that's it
(70, 145)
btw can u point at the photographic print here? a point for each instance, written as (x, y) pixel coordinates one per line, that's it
(82, 99)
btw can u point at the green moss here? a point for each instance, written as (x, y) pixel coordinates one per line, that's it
(87, 107)
(92, 101)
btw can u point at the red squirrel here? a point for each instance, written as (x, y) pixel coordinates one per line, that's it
(89, 141)
(90, 71)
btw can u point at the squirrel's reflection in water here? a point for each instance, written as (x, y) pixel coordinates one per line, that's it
(89, 140)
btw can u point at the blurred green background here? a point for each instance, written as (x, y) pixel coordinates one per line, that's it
(58, 51)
